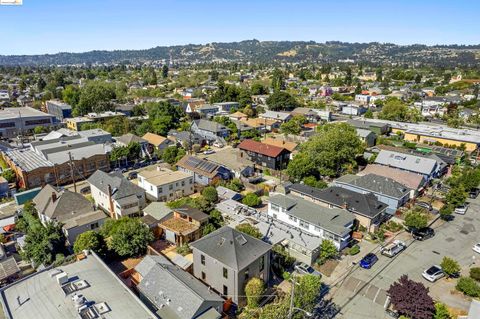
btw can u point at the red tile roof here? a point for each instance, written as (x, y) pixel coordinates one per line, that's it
(261, 148)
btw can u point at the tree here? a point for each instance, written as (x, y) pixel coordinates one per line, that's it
(95, 96)
(446, 211)
(441, 311)
(210, 194)
(368, 114)
(252, 200)
(9, 175)
(313, 182)
(278, 80)
(90, 240)
(281, 100)
(71, 95)
(39, 129)
(249, 230)
(208, 228)
(164, 71)
(328, 153)
(328, 250)
(418, 78)
(254, 290)
(416, 218)
(450, 266)
(456, 196)
(294, 126)
(127, 236)
(173, 154)
(396, 110)
(411, 299)
(258, 89)
(475, 273)
(306, 293)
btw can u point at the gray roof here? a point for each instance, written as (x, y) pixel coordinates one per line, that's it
(24, 112)
(27, 159)
(375, 184)
(175, 292)
(210, 126)
(364, 132)
(282, 116)
(364, 204)
(334, 220)
(130, 138)
(158, 210)
(122, 188)
(231, 247)
(418, 164)
(42, 297)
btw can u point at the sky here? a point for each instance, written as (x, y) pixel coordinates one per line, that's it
(51, 26)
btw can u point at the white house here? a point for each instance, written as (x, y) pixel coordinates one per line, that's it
(163, 184)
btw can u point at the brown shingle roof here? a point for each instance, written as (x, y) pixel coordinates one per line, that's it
(154, 139)
(290, 146)
(261, 148)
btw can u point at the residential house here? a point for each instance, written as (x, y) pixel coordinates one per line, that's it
(174, 293)
(185, 226)
(309, 114)
(159, 142)
(262, 124)
(162, 184)
(210, 130)
(227, 259)
(238, 116)
(116, 195)
(367, 137)
(281, 117)
(73, 211)
(334, 224)
(191, 105)
(386, 190)
(362, 98)
(207, 110)
(264, 155)
(204, 171)
(377, 128)
(426, 167)
(353, 109)
(226, 107)
(186, 138)
(226, 193)
(367, 209)
(413, 181)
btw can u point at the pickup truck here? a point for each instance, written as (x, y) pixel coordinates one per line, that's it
(393, 249)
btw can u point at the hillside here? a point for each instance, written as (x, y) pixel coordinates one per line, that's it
(266, 52)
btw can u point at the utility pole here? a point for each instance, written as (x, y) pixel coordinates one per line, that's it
(72, 171)
(292, 294)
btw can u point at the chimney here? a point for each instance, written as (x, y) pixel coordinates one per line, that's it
(110, 201)
(54, 197)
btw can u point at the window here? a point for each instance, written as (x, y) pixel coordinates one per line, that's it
(225, 273)
(170, 187)
(94, 225)
(246, 274)
(292, 218)
(204, 276)
(202, 259)
(151, 187)
(160, 189)
(183, 183)
(275, 208)
(262, 263)
(225, 290)
(304, 224)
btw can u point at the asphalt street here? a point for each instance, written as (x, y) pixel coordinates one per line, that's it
(362, 293)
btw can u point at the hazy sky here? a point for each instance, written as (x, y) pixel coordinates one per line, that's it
(50, 26)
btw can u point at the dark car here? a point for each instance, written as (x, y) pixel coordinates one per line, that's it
(474, 193)
(85, 190)
(368, 261)
(132, 175)
(423, 233)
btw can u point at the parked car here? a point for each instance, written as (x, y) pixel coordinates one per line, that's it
(474, 193)
(423, 233)
(85, 190)
(217, 144)
(476, 248)
(433, 273)
(304, 269)
(425, 205)
(393, 249)
(368, 261)
(207, 152)
(132, 175)
(462, 209)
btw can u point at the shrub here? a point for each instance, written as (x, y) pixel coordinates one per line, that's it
(416, 219)
(450, 266)
(184, 250)
(210, 194)
(254, 289)
(249, 230)
(475, 273)
(354, 250)
(252, 200)
(393, 226)
(328, 250)
(468, 286)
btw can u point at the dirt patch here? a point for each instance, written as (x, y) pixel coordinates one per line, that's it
(327, 268)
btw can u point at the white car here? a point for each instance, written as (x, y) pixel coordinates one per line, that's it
(219, 145)
(462, 209)
(476, 248)
(207, 152)
(433, 273)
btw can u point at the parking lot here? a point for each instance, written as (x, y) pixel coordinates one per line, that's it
(362, 293)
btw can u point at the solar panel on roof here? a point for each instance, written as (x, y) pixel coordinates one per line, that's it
(192, 161)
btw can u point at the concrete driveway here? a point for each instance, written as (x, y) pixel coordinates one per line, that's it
(361, 293)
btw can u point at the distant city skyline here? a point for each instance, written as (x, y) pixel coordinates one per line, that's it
(51, 26)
